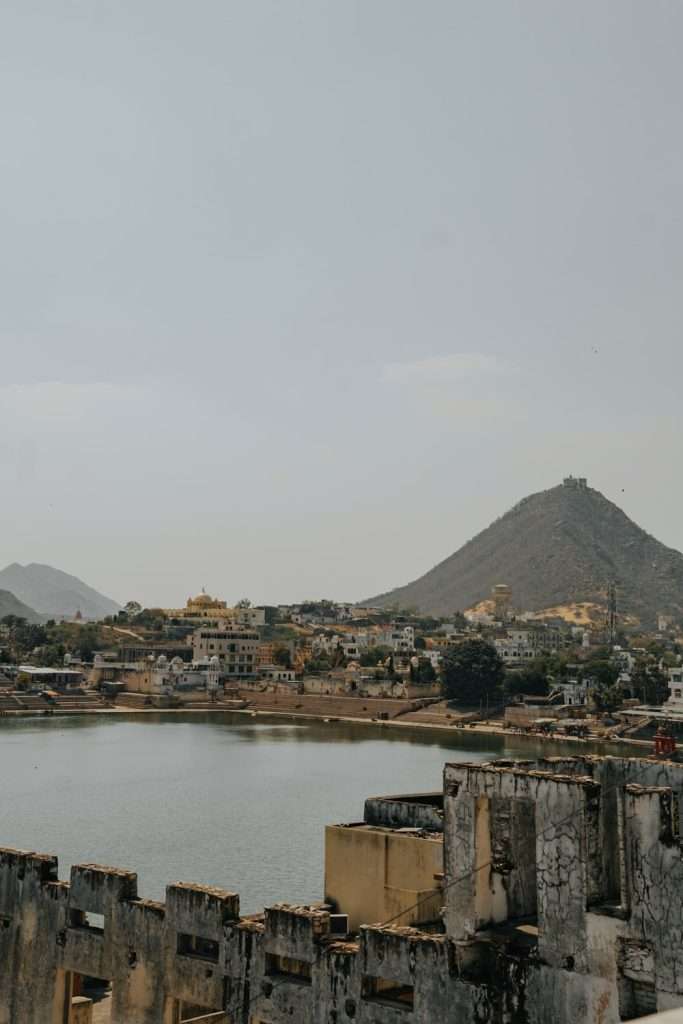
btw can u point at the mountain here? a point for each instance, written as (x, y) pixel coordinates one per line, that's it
(557, 547)
(10, 605)
(54, 593)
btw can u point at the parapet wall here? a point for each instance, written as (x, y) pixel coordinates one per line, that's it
(281, 967)
(537, 927)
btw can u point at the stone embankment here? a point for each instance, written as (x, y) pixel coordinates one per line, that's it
(18, 703)
(389, 712)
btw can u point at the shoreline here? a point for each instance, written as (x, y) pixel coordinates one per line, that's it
(452, 730)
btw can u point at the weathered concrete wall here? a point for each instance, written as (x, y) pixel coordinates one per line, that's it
(419, 810)
(535, 928)
(608, 877)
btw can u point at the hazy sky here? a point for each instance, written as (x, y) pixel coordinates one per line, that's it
(298, 296)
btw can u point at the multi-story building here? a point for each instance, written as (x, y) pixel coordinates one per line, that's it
(675, 701)
(350, 645)
(398, 638)
(523, 643)
(235, 647)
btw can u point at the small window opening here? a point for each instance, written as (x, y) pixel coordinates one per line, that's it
(88, 999)
(87, 920)
(198, 947)
(388, 992)
(190, 1013)
(287, 968)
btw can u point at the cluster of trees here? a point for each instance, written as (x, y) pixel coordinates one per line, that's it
(322, 608)
(47, 644)
(133, 613)
(422, 673)
(473, 671)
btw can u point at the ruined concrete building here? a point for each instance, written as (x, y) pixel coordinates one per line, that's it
(557, 897)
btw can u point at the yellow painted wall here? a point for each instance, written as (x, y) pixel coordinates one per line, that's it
(374, 874)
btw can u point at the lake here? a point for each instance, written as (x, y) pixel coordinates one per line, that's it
(221, 800)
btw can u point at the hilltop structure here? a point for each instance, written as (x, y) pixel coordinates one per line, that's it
(561, 547)
(559, 897)
(203, 607)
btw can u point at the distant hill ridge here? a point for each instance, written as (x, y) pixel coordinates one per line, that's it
(10, 605)
(557, 547)
(54, 593)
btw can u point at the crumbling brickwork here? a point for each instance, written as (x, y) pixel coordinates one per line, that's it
(563, 902)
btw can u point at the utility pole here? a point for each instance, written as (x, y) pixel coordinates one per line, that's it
(611, 622)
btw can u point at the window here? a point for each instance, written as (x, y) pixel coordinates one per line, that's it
(87, 921)
(198, 947)
(388, 992)
(288, 969)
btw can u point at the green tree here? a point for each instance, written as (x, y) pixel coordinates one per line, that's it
(132, 608)
(53, 655)
(606, 698)
(648, 682)
(373, 655)
(420, 643)
(338, 657)
(600, 670)
(423, 673)
(531, 679)
(281, 656)
(472, 671)
(321, 663)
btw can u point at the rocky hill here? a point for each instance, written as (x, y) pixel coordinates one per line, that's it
(557, 547)
(54, 593)
(10, 605)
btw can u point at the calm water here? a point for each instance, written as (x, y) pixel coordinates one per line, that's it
(222, 801)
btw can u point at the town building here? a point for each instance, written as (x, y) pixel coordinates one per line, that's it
(526, 892)
(277, 673)
(501, 595)
(198, 680)
(575, 692)
(524, 643)
(204, 607)
(267, 651)
(33, 677)
(675, 701)
(235, 647)
(140, 650)
(349, 644)
(398, 638)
